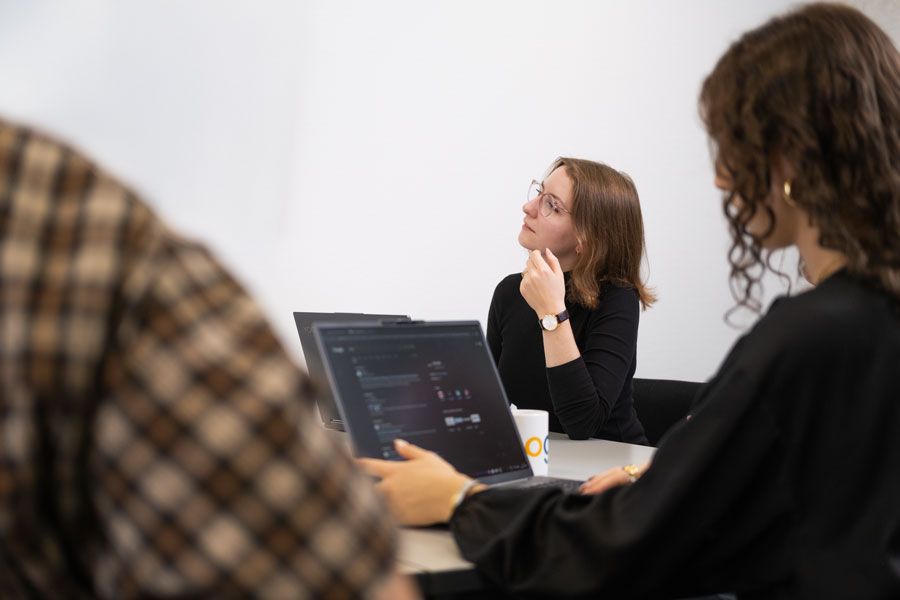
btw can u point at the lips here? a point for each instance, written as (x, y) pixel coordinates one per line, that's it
(525, 226)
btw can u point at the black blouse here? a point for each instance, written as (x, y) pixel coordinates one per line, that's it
(590, 396)
(783, 483)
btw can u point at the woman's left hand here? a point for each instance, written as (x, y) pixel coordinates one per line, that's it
(611, 478)
(543, 285)
(418, 490)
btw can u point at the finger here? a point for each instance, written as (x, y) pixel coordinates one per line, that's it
(409, 451)
(596, 478)
(588, 485)
(592, 479)
(377, 467)
(611, 472)
(586, 489)
(590, 490)
(537, 260)
(552, 261)
(601, 485)
(600, 478)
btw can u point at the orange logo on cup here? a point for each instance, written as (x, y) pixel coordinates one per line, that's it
(528, 445)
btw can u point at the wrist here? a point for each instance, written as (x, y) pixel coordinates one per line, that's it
(466, 489)
(551, 321)
(559, 325)
(541, 312)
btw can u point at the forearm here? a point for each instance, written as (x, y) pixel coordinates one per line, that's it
(578, 404)
(576, 401)
(497, 531)
(560, 346)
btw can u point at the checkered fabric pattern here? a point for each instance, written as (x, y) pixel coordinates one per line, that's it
(155, 439)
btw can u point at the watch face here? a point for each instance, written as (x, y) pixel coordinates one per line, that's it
(549, 322)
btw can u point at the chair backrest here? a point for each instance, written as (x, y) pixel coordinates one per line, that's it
(660, 403)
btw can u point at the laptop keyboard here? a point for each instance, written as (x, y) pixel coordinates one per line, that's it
(567, 485)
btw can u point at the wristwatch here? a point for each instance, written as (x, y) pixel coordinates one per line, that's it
(551, 322)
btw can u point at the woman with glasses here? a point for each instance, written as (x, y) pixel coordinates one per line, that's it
(785, 481)
(564, 332)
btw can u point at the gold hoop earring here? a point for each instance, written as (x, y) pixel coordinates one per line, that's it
(787, 195)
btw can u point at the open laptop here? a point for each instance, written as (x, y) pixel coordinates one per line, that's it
(432, 384)
(328, 410)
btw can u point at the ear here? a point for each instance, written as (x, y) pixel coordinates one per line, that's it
(781, 171)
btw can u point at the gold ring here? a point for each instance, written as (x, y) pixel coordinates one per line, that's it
(633, 472)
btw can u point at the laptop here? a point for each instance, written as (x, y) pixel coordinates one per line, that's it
(328, 410)
(433, 384)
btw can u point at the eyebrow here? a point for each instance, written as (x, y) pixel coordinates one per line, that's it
(555, 197)
(559, 202)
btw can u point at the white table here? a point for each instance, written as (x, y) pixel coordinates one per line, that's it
(431, 554)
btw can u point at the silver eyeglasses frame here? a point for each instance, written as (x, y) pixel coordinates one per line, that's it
(549, 204)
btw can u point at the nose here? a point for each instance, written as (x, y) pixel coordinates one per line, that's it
(530, 207)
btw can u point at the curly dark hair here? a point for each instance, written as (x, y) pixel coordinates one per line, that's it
(819, 89)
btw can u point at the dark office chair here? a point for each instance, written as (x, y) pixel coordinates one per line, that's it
(660, 403)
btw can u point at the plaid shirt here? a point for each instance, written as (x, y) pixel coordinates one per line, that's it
(155, 439)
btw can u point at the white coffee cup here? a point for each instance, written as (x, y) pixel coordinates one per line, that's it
(533, 428)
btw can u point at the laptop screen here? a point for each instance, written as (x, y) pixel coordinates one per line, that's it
(432, 384)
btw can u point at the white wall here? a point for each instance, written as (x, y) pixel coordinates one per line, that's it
(374, 156)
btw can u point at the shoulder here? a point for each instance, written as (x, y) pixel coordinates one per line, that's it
(506, 295)
(508, 286)
(616, 298)
(618, 312)
(841, 322)
(619, 292)
(834, 311)
(91, 197)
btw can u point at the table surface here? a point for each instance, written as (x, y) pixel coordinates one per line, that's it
(432, 551)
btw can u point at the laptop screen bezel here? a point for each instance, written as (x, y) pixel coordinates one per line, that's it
(325, 401)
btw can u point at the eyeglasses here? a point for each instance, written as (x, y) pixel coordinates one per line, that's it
(549, 204)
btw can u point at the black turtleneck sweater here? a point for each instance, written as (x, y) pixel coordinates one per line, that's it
(589, 396)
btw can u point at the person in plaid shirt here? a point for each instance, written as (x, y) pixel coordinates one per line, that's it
(155, 439)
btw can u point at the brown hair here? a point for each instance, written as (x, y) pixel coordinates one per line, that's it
(606, 214)
(818, 88)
